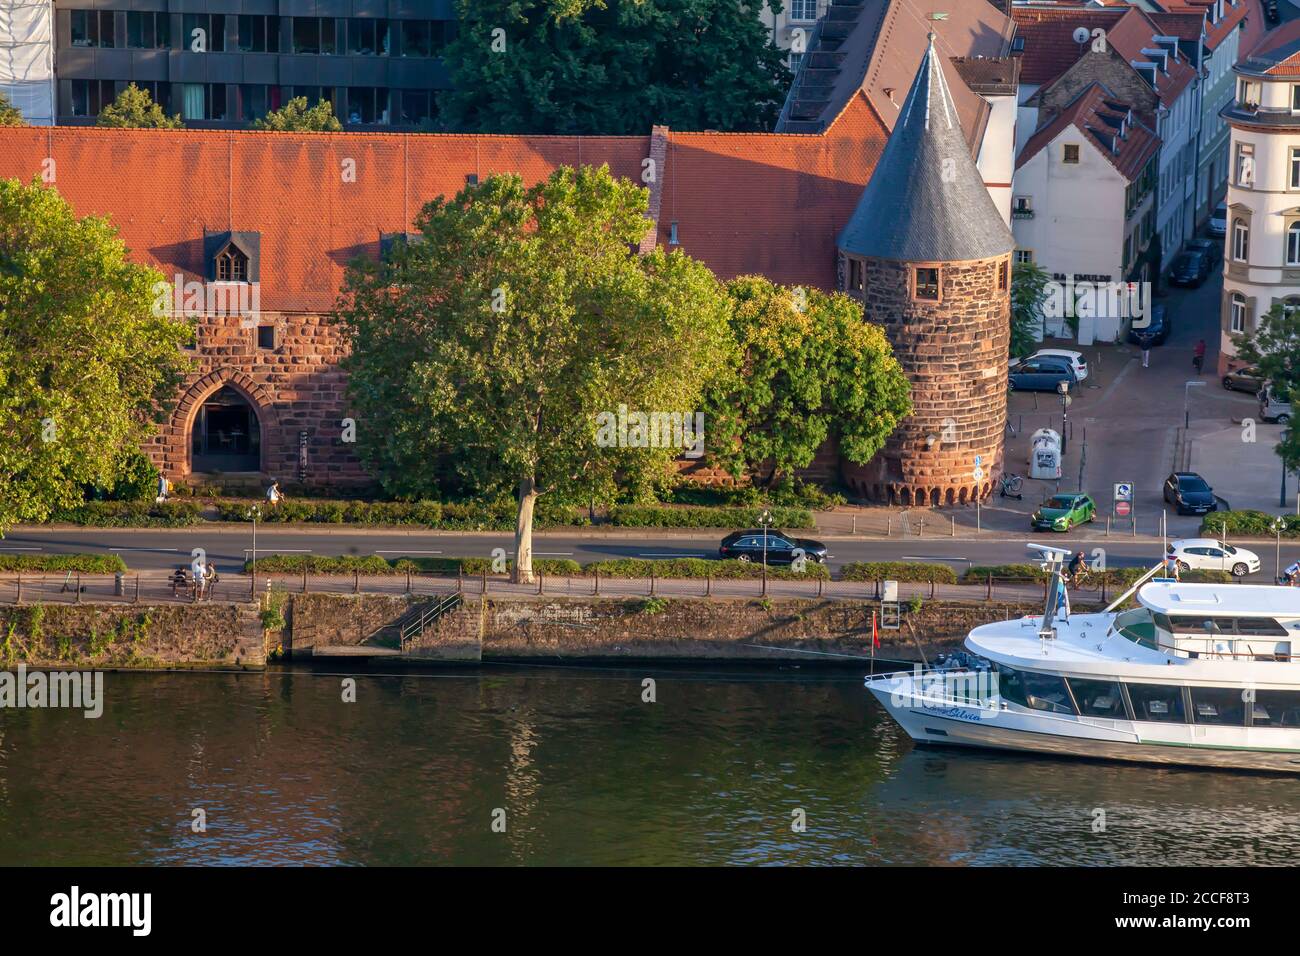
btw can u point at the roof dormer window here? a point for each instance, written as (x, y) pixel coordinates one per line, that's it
(231, 265)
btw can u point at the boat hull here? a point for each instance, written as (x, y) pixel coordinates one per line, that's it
(946, 724)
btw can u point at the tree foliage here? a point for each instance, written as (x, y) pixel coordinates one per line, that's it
(10, 114)
(1028, 293)
(810, 369)
(87, 365)
(522, 316)
(613, 66)
(134, 108)
(296, 117)
(1275, 348)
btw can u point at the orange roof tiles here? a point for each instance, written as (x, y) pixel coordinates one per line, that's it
(770, 203)
(1093, 115)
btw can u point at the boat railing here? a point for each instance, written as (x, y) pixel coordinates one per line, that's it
(1212, 653)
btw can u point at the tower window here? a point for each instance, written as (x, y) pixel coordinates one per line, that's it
(232, 265)
(1003, 267)
(266, 336)
(926, 284)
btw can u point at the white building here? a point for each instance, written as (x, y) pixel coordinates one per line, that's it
(27, 58)
(1262, 247)
(792, 28)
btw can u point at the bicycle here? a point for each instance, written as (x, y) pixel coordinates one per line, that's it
(1010, 487)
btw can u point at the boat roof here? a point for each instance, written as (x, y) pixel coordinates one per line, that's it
(1220, 600)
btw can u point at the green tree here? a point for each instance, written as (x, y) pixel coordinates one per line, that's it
(88, 362)
(613, 66)
(136, 109)
(504, 339)
(1028, 293)
(1275, 348)
(811, 368)
(296, 117)
(10, 114)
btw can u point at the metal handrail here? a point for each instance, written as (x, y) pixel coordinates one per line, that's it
(427, 617)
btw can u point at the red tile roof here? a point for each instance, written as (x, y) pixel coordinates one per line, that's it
(1048, 32)
(1096, 115)
(1278, 52)
(770, 203)
(1133, 33)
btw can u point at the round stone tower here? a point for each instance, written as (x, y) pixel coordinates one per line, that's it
(929, 256)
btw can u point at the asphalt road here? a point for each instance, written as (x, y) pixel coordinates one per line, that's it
(151, 549)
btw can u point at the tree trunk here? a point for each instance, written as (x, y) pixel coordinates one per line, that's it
(523, 573)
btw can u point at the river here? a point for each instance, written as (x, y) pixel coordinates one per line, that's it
(504, 765)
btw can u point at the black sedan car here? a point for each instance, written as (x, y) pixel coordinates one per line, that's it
(1041, 374)
(1190, 269)
(1189, 493)
(781, 547)
(1157, 327)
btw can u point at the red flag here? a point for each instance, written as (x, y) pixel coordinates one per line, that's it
(875, 634)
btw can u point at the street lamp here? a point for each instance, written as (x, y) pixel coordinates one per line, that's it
(765, 519)
(254, 513)
(1187, 415)
(1277, 553)
(1063, 387)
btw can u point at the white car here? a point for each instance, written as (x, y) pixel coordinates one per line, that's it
(1207, 554)
(1076, 360)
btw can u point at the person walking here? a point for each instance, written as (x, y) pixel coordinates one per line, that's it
(164, 486)
(200, 580)
(1198, 356)
(212, 578)
(1171, 565)
(273, 494)
(1144, 340)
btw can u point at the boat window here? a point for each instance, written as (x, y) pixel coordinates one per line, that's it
(1157, 702)
(1260, 627)
(1098, 698)
(1199, 624)
(1218, 705)
(1010, 686)
(1277, 708)
(1046, 692)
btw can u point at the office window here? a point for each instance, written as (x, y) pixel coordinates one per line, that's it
(92, 28)
(1071, 153)
(259, 34)
(416, 106)
(416, 38)
(203, 31)
(926, 284)
(202, 101)
(91, 96)
(313, 95)
(367, 37)
(159, 91)
(1293, 244)
(306, 35)
(1237, 307)
(803, 10)
(148, 31)
(251, 102)
(1295, 167)
(367, 104)
(1240, 240)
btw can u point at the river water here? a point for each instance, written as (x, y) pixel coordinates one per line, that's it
(579, 769)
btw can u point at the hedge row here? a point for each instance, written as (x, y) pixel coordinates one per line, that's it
(907, 571)
(85, 563)
(701, 568)
(1254, 524)
(661, 516)
(498, 516)
(1114, 577)
(132, 514)
(553, 567)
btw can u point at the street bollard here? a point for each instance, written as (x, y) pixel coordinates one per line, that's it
(484, 588)
(855, 524)
(989, 596)
(1108, 526)
(78, 598)
(539, 582)
(460, 580)
(708, 585)
(820, 582)
(18, 599)
(652, 582)
(954, 526)
(304, 579)
(119, 584)
(889, 526)
(597, 591)
(136, 599)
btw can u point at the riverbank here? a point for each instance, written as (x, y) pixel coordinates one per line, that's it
(411, 629)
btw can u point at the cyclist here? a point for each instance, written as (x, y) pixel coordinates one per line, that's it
(1292, 574)
(1078, 565)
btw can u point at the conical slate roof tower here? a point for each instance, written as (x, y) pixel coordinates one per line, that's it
(929, 256)
(926, 201)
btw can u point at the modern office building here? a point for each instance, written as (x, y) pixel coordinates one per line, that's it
(225, 63)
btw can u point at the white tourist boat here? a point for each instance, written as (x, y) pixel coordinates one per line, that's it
(1198, 674)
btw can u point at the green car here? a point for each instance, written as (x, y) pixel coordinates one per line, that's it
(1063, 512)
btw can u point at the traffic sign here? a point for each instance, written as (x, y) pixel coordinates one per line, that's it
(1122, 508)
(978, 473)
(1124, 491)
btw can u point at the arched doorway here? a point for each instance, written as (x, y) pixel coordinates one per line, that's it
(226, 435)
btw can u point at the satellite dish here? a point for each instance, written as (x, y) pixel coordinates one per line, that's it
(1081, 34)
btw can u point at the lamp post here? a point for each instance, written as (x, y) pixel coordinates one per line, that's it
(1063, 387)
(765, 519)
(254, 513)
(1187, 415)
(1277, 553)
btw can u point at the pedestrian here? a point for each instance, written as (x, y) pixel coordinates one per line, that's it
(1198, 356)
(273, 494)
(1144, 340)
(164, 486)
(1171, 565)
(178, 581)
(200, 579)
(212, 578)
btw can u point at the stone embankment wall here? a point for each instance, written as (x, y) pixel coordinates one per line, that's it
(131, 636)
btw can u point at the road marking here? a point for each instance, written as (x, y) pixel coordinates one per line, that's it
(408, 551)
(552, 554)
(930, 557)
(142, 549)
(279, 550)
(670, 554)
(20, 549)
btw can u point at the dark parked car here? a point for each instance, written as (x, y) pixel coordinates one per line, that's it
(1189, 493)
(1157, 327)
(1190, 269)
(1244, 379)
(1207, 247)
(1041, 374)
(781, 547)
